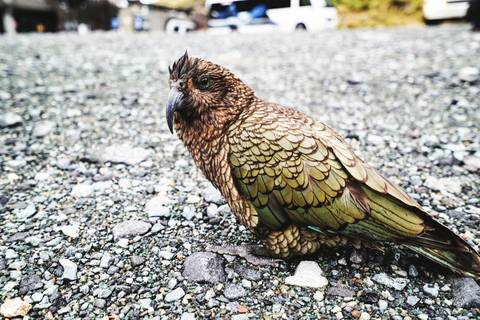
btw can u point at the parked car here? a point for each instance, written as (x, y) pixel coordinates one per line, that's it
(180, 26)
(435, 10)
(245, 16)
(313, 15)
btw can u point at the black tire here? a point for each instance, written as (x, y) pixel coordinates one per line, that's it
(300, 27)
(432, 22)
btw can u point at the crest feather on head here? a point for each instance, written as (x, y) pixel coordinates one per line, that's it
(184, 67)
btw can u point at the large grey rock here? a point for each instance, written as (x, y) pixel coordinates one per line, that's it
(130, 229)
(466, 293)
(122, 154)
(30, 282)
(204, 267)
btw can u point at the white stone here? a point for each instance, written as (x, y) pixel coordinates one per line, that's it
(167, 255)
(175, 295)
(187, 316)
(318, 296)
(181, 163)
(69, 269)
(10, 119)
(51, 290)
(42, 176)
(27, 212)
(469, 74)
(12, 177)
(15, 308)
(193, 199)
(336, 309)
(11, 254)
(395, 283)
(105, 261)
(364, 316)
(450, 184)
(44, 128)
(156, 207)
(123, 243)
(124, 183)
(82, 190)
(70, 230)
(308, 275)
(37, 296)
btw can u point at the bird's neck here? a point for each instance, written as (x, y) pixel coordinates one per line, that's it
(203, 142)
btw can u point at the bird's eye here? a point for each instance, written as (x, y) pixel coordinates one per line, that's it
(203, 81)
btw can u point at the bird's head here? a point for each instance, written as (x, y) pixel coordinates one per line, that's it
(201, 90)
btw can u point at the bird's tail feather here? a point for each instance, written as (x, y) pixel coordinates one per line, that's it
(454, 260)
(444, 247)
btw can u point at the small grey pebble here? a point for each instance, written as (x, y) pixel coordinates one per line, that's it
(137, 260)
(100, 303)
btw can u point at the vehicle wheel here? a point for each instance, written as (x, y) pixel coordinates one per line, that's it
(432, 22)
(300, 27)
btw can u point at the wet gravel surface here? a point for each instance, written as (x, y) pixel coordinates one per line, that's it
(105, 216)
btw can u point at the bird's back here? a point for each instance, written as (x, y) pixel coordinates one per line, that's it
(294, 170)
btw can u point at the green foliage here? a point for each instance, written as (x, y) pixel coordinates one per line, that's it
(373, 13)
(408, 6)
(354, 4)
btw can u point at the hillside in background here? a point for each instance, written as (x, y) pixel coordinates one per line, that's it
(371, 13)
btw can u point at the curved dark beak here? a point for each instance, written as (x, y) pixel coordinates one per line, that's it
(174, 102)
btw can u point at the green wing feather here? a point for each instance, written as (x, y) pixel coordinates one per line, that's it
(291, 171)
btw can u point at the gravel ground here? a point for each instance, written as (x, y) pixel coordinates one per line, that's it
(104, 215)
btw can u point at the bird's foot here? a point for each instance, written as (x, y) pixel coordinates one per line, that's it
(255, 254)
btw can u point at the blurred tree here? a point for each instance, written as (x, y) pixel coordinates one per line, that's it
(358, 5)
(353, 4)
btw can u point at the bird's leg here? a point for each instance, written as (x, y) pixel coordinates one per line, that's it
(255, 254)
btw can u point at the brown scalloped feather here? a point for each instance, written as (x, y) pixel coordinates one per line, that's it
(293, 181)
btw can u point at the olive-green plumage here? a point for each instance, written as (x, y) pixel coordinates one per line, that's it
(292, 180)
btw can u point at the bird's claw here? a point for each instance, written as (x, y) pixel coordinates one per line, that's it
(255, 254)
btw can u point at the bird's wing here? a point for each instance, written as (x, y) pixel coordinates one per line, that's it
(293, 169)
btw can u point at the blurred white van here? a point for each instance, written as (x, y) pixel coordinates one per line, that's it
(310, 15)
(284, 15)
(444, 9)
